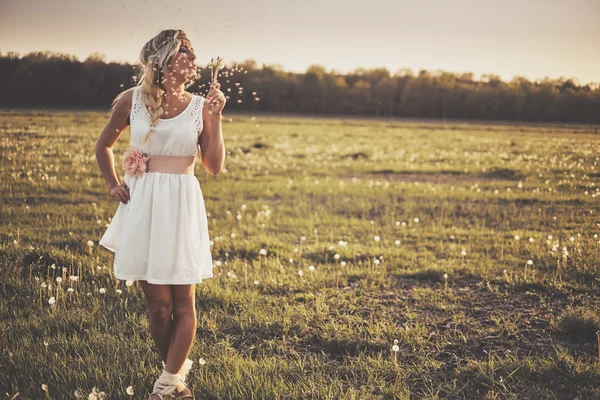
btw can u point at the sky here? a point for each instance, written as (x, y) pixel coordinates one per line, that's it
(530, 38)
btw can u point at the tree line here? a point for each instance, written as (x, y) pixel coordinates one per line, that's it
(49, 79)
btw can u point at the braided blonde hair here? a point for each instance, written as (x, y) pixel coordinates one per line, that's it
(155, 57)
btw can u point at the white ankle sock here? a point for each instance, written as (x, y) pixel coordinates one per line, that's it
(187, 365)
(168, 378)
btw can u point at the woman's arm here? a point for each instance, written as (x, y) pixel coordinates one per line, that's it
(211, 141)
(118, 121)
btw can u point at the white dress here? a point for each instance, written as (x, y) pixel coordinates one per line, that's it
(161, 234)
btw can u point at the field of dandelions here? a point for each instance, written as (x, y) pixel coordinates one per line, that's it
(353, 259)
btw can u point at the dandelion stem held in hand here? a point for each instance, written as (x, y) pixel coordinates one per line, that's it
(214, 74)
(216, 64)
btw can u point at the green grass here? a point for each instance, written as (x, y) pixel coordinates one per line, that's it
(494, 328)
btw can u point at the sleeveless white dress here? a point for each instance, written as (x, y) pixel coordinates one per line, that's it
(161, 234)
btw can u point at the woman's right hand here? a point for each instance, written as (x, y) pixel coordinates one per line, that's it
(120, 192)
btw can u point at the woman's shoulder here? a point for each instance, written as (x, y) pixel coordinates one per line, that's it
(127, 95)
(124, 100)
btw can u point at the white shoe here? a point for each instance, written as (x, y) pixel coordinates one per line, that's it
(183, 372)
(166, 384)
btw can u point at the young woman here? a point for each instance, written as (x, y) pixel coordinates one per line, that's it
(159, 233)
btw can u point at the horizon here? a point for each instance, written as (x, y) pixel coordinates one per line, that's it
(511, 40)
(415, 72)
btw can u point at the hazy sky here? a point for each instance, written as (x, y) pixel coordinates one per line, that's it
(531, 38)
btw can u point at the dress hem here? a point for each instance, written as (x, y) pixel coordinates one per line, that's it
(158, 282)
(154, 281)
(108, 246)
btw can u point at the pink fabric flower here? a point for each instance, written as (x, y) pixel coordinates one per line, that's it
(135, 163)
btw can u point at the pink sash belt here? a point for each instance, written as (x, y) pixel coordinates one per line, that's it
(136, 163)
(171, 164)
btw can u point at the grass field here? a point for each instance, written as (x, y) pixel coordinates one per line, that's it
(404, 260)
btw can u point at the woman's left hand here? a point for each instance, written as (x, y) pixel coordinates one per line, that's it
(215, 98)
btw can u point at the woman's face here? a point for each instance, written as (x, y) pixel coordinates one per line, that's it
(184, 61)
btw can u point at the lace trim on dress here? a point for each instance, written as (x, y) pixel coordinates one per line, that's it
(197, 115)
(136, 106)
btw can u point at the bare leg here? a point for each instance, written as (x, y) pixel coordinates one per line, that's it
(160, 306)
(183, 329)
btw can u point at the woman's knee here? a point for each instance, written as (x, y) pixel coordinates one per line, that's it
(159, 300)
(160, 310)
(183, 300)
